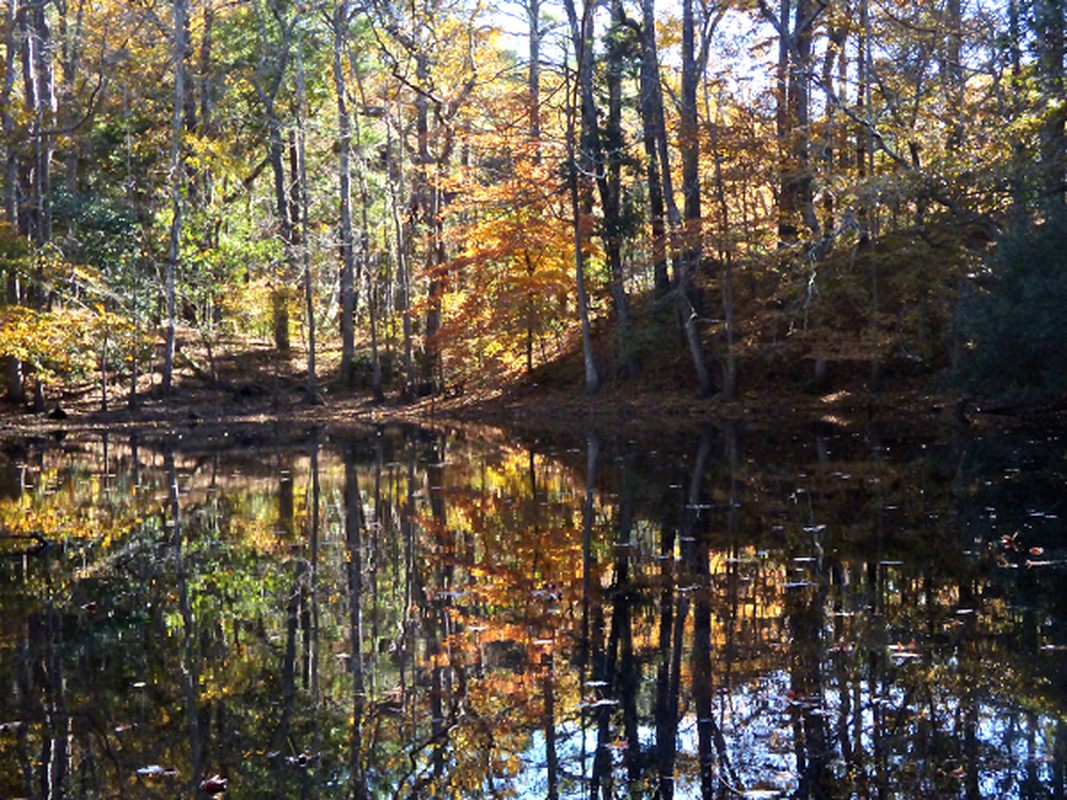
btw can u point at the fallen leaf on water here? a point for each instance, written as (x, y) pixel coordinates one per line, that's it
(303, 759)
(156, 771)
(216, 784)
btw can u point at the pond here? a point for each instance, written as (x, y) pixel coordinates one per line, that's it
(401, 612)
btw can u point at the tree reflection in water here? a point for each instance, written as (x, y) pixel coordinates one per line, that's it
(404, 613)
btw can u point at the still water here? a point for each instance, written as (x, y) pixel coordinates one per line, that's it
(391, 612)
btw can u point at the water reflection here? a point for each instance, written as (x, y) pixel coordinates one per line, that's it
(413, 614)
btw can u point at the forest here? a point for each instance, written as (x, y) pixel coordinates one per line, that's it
(431, 197)
(680, 287)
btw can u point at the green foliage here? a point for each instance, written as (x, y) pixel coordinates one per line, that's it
(99, 233)
(1016, 333)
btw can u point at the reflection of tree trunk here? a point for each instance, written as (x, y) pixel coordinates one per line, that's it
(292, 615)
(592, 444)
(702, 677)
(619, 678)
(711, 745)
(286, 508)
(311, 595)
(286, 501)
(806, 657)
(629, 681)
(590, 605)
(666, 701)
(46, 629)
(549, 725)
(354, 523)
(437, 613)
(190, 672)
(1059, 760)
(971, 752)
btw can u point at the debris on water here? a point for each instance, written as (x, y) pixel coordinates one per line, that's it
(156, 771)
(598, 704)
(302, 759)
(216, 784)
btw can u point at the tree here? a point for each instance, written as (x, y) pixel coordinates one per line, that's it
(689, 144)
(580, 38)
(1015, 336)
(177, 175)
(340, 26)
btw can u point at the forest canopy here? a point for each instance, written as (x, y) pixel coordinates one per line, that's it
(445, 193)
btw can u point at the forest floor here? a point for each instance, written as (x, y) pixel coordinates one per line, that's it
(244, 382)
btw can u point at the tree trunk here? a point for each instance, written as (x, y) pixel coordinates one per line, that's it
(1048, 16)
(593, 161)
(12, 367)
(952, 75)
(426, 194)
(689, 145)
(311, 389)
(654, 168)
(402, 276)
(177, 175)
(592, 379)
(611, 187)
(269, 79)
(363, 270)
(280, 279)
(533, 77)
(344, 125)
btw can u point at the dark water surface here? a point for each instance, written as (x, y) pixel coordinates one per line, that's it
(407, 613)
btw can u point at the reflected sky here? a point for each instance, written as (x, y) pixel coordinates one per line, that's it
(395, 612)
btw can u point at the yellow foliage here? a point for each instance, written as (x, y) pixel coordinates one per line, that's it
(67, 341)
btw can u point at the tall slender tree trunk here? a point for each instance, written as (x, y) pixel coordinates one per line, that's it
(651, 94)
(1048, 15)
(12, 367)
(533, 75)
(593, 160)
(592, 378)
(344, 124)
(354, 526)
(533, 83)
(270, 73)
(364, 271)
(311, 389)
(689, 144)
(952, 74)
(402, 276)
(427, 195)
(611, 187)
(280, 279)
(863, 105)
(177, 175)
